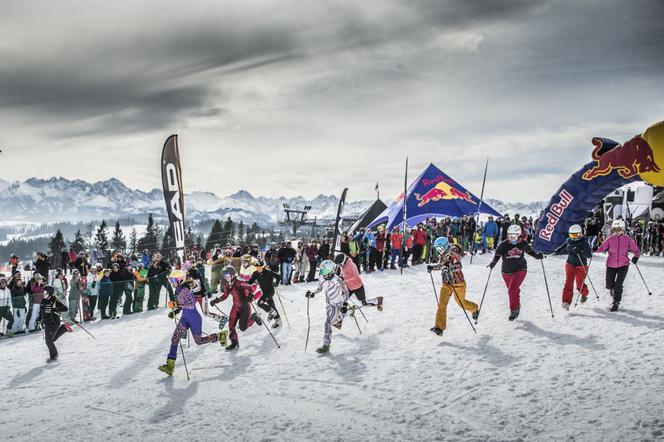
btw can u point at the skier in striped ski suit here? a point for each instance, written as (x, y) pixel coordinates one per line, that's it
(336, 298)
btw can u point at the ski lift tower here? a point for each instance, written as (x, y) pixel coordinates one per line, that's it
(296, 218)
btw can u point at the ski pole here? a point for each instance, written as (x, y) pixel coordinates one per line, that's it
(458, 298)
(85, 330)
(483, 294)
(308, 295)
(356, 323)
(433, 284)
(587, 276)
(642, 278)
(263, 322)
(181, 349)
(546, 283)
(284, 310)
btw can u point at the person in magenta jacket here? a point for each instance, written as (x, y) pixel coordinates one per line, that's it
(619, 246)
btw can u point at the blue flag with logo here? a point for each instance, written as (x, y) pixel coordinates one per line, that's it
(432, 194)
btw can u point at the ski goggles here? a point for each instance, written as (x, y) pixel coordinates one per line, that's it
(575, 235)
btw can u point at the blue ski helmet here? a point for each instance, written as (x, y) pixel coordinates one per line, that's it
(441, 244)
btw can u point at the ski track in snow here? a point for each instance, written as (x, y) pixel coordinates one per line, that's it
(583, 375)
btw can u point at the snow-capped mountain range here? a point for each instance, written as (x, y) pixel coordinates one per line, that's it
(59, 199)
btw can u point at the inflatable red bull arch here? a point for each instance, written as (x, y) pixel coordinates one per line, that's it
(432, 194)
(613, 165)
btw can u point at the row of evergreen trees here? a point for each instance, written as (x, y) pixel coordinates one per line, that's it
(153, 240)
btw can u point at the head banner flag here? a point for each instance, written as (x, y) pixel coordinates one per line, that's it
(171, 177)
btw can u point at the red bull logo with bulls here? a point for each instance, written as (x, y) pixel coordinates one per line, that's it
(632, 158)
(442, 191)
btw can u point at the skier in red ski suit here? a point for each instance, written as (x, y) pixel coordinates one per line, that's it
(241, 311)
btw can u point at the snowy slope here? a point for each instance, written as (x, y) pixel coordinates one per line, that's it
(584, 375)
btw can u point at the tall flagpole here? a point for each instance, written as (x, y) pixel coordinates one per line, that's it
(479, 207)
(404, 213)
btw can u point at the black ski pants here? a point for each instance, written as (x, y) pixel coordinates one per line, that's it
(615, 277)
(52, 332)
(266, 303)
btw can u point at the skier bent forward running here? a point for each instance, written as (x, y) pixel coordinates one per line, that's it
(191, 319)
(241, 311)
(336, 298)
(454, 283)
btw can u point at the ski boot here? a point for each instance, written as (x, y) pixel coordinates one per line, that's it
(380, 304)
(168, 367)
(50, 360)
(614, 306)
(9, 334)
(438, 331)
(67, 327)
(566, 305)
(271, 315)
(256, 319)
(514, 314)
(324, 349)
(338, 325)
(277, 322)
(584, 298)
(475, 315)
(223, 338)
(234, 346)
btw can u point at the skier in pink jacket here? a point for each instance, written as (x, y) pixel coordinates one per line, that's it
(618, 245)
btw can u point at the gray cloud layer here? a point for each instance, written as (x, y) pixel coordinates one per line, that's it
(272, 96)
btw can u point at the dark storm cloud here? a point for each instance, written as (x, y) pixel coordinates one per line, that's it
(443, 81)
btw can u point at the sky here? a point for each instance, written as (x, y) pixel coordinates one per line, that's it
(308, 97)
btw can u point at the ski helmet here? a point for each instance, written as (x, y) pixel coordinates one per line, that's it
(575, 231)
(513, 232)
(340, 258)
(441, 244)
(229, 273)
(327, 268)
(618, 225)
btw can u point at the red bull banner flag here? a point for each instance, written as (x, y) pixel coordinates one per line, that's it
(613, 165)
(171, 177)
(432, 194)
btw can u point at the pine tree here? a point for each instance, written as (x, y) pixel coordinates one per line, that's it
(118, 242)
(215, 236)
(133, 241)
(188, 238)
(228, 234)
(151, 239)
(101, 241)
(56, 246)
(168, 243)
(199, 243)
(240, 232)
(78, 245)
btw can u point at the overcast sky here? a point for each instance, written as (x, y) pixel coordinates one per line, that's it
(306, 97)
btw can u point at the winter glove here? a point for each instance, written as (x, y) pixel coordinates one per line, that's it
(309, 294)
(634, 259)
(491, 265)
(430, 268)
(171, 314)
(344, 308)
(214, 302)
(539, 256)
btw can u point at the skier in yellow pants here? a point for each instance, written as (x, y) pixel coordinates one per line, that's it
(454, 283)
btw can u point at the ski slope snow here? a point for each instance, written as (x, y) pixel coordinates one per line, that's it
(583, 375)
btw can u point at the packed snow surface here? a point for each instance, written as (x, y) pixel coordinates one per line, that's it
(587, 374)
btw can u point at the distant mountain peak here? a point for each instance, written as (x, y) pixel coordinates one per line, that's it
(242, 194)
